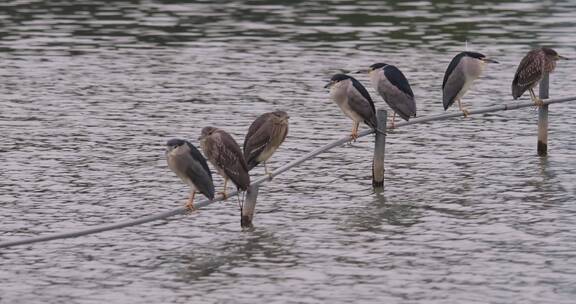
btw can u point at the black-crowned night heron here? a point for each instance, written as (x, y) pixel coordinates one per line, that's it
(264, 136)
(394, 88)
(226, 156)
(460, 74)
(532, 68)
(189, 164)
(353, 99)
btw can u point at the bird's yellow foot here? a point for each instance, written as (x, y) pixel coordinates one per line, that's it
(189, 207)
(224, 195)
(465, 112)
(538, 102)
(353, 137)
(269, 176)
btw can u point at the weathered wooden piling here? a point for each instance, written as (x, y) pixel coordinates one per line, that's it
(249, 206)
(379, 151)
(543, 117)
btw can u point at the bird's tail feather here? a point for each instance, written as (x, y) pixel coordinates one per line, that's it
(374, 126)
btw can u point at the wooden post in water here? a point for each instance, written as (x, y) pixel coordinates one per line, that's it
(379, 151)
(249, 206)
(543, 117)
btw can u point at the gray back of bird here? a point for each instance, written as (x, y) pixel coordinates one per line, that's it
(459, 76)
(395, 89)
(189, 164)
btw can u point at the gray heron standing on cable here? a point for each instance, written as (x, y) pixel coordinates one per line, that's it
(460, 74)
(531, 69)
(226, 156)
(189, 164)
(264, 136)
(394, 88)
(353, 99)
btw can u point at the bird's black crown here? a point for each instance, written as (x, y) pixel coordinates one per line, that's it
(475, 55)
(378, 65)
(175, 142)
(339, 77)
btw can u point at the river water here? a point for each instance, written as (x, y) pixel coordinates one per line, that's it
(91, 90)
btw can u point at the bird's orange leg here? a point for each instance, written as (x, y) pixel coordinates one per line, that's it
(354, 134)
(537, 101)
(224, 194)
(190, 204)
(464, 111)
(393, 120)
(267, 172)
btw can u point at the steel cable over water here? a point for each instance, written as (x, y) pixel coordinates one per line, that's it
(280, 170)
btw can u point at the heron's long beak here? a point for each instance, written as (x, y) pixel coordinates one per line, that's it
(488, 60)
(329, 84)
(562, 57)
(363, 71)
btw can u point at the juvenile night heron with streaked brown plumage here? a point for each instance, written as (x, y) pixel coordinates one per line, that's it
(226, 156)
(460, 74)
(354, 100)
(264, 137)
(394, 88)
(189, 164)
(531, 69)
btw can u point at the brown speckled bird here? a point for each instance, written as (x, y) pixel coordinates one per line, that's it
(532, 68)
(264, 136)
(226, 156)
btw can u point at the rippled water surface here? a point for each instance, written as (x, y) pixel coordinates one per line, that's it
(91, 90)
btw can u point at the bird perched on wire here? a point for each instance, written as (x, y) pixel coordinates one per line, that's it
(531, 69)
(226, 156)
(189, 164)
(264, 136)
(394, 88)
(460, 74)
(353, 99)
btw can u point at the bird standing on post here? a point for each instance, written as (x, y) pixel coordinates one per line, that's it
(394, 88)
(460, 74)
(226, 156)
(189, 164)
(531, 69)
(264, 136)
(353, 99)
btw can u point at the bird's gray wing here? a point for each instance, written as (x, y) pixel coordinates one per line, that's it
(454, 83)
(396, 91)
(529, 72)
(231, 160)
(195, 153)
(196, 169)
(397, 79)
(390, 88)
(451, 67)
(360, 104)
(258, 137)
(362, 90)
